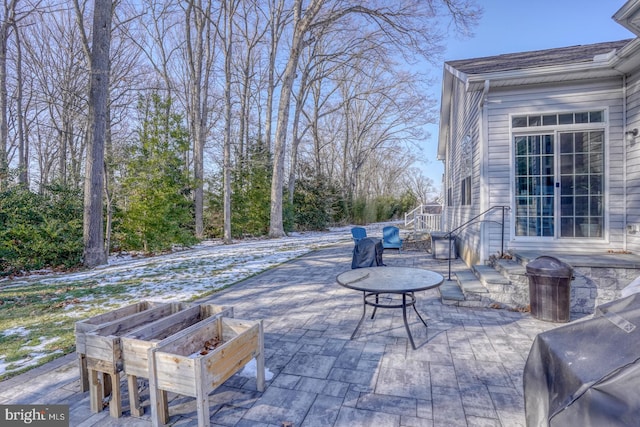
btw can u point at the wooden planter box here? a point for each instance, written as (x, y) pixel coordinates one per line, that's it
(179, 366)
(84, 326)
(136, 345)
(103, 353)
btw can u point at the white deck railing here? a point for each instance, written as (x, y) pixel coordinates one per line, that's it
(421, 221)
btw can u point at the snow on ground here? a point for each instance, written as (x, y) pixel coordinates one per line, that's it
(186, 274)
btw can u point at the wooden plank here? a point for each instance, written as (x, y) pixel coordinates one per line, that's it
(135, 321)
(175, 373)
(191, 339)
(103, 348)
(220, 364)
(134, 356)
(115, 404)
(169, 325)
(104, 343)
(96, 391)
(110, 316)
(158, 397)
(84, 377)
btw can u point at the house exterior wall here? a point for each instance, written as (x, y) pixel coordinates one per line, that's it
(462, 160)
(605, 95)
(489, 123)
(633, 163)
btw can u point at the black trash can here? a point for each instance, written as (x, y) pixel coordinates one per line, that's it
(550, 289)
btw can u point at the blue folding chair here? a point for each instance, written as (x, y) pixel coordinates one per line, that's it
(391, 238)
(358, 234)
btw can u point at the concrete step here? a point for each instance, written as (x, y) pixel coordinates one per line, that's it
(489, 275)
(509, 267)
(469, 283)
(492, 279)
(450, 292)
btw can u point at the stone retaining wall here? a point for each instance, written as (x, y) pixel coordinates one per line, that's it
(593, 286)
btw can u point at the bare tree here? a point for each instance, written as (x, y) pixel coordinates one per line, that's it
(407, 25)
(6, 23)
(229, 11)
(99, 65)
(278, 19)
(251, 34)
(23, 148)
(200, 46)
(420, 185)
(302, 21)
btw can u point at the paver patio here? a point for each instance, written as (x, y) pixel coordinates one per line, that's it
(466, 371)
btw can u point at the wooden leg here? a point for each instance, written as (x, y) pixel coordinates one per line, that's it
(115, 405)
(106, 385)
(134, 397)
(84, 375)
(260, 361)
(159, 403)
(96, 391)
(202, 399)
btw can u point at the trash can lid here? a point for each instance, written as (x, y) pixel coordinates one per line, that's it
(549, 266)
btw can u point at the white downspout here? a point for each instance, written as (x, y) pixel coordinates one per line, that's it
(624, 161)
(483, 137)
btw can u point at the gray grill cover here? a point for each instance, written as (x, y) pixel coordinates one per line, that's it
(587, 373)
(367, 253)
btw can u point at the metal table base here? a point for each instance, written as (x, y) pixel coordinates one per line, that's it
(408, 299)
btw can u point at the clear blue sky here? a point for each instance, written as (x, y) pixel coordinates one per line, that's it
(510, 26)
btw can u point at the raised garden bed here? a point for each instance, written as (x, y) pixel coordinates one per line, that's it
(103, 353)
(82, 327)
(198, 359)
(136, 345)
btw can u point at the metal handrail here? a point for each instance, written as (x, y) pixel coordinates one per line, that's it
(447, 236)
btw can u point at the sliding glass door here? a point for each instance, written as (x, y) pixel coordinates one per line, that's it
(581, 184)
(571, 163)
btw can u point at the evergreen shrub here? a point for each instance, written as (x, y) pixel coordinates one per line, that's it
(40, 230)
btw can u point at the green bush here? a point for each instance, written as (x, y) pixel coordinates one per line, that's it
(40, 230)
(157, 211)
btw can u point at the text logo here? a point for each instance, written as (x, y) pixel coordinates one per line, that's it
(34, 415)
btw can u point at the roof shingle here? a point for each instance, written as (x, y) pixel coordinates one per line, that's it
(536, 58)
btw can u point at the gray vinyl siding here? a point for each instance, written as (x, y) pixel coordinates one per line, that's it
(633, 163)
(465, 121)
(496, 162)
(567, 97)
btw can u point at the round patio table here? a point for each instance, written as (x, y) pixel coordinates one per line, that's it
(404, 281)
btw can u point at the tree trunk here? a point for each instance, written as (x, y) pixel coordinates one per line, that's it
(9, 16)
(231, 6)
(94, 253)
(295, 140)
(23, 149)
(199, 57)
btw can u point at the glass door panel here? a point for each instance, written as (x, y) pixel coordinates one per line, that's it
(534, 174)
(581, 183)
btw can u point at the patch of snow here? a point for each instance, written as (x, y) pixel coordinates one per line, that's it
(182, 275)
(20, 330)
(31, 360)
(250, 370)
